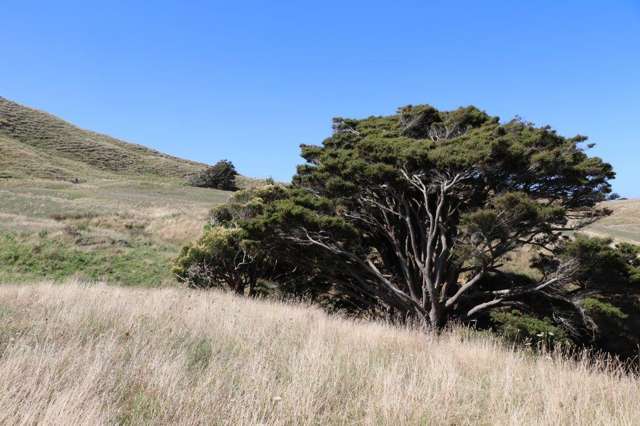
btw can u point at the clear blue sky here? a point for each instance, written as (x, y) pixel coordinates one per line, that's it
(251, 80)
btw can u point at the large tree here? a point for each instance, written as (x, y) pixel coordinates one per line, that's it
(416, 213)
(418, 208)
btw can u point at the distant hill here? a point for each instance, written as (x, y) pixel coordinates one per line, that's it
(36, 144)
(623, 224)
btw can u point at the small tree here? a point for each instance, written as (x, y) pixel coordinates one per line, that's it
(227, 257)
(221, 175)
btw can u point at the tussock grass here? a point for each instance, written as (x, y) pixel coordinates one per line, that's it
(78, 354)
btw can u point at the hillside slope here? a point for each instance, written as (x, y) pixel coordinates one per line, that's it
(37, 144)
(623, 224)
(119, 230)
(78, 203)
(107, 355)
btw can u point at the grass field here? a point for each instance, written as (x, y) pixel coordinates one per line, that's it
(119, 230)
(92, 354)
(623, 224)
(77, 203)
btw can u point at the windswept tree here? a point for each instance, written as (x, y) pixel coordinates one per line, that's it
(417, 212)
(419, 207)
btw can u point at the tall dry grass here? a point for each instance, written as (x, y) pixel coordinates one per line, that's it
(74, 354)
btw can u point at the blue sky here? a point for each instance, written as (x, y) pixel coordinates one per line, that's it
(250, 81)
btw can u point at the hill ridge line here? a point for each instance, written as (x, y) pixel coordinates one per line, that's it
(46, 133)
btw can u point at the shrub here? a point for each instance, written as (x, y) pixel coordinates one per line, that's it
(613, 196)
(522, 328)
(216, 260)
(221, 175)
(595, 306)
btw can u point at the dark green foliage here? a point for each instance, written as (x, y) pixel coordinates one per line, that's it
(617, 320)
(223, 256)
(522, 328)
(427, 201)
(598, 307)
(413, 215)
(603, 265)
(216, 260)
(238, 250)
(221, 175)
(613, 196)
(607, 286)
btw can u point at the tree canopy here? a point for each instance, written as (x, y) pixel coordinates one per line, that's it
(415, 215)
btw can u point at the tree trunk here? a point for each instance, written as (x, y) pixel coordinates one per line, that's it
(238, 288)
(438, 316)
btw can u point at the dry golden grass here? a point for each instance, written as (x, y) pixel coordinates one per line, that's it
(34, 143)
(623, 224)
(74, 354)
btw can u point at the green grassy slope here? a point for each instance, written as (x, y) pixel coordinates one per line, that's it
(115, 230)
(36, 144)
(77, 203)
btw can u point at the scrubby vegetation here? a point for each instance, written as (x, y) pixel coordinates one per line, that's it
(82, 354)
(412, 216)
(221, 175)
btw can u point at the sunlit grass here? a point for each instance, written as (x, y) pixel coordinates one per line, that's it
(78, 354)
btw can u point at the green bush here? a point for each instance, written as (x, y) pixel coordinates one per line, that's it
(221, 175)
(215, 260)
(518, 327)
(595, 306)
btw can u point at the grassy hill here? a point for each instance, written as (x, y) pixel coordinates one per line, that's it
(623, 224)
(39, 145)
(77, 203)
(121, 231)
(107, 355)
